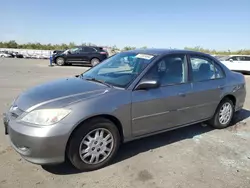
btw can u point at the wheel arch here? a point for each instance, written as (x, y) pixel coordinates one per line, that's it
(231, 97)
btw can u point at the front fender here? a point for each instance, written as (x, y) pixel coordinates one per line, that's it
(107, 104)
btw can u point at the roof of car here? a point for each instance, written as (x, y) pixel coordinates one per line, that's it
(159, 51)
(237, 55)
(89, 46)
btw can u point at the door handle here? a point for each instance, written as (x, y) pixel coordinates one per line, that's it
(182, 94)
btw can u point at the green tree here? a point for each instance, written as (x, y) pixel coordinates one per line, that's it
(71, 45)
(126, 48)
(12, 44)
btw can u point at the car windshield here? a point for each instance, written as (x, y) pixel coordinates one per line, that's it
(119, 70)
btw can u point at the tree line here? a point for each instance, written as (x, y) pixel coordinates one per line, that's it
(63, 46)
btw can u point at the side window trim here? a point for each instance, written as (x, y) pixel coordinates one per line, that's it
(95, 50)
(215, 65)
(159, 60)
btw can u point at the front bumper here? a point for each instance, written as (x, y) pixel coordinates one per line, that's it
(38, 145)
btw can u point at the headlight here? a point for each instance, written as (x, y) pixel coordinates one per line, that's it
(46, 116)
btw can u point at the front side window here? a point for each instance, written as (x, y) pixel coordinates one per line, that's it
(204, 69)
(169, 71)
(72, 50)
(121, 69)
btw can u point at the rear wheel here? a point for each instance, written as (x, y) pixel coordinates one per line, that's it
(94, 61)
(60, 61)
(94, 144)
(223, 115)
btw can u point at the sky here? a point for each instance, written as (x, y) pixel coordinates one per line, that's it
(213, 24)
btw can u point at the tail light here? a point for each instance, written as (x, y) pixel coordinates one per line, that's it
(103, 52)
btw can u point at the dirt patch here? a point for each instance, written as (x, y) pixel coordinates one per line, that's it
(144, 176)
(5, 150)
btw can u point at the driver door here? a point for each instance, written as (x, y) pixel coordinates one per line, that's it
(74, 56)
(167, 106)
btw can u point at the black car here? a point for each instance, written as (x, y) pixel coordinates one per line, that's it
(82, 54)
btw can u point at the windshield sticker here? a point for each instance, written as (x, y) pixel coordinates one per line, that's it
(144, 56)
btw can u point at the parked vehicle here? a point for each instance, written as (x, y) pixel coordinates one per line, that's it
(13, 54)
(85, 118)
(83, 54)
(240, 63)
(17, 55)
(3, 54)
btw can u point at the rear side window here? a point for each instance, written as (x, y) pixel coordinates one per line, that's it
(234, 58)
(88, 49)
(244, 58)
(204, 69)
(218, 71)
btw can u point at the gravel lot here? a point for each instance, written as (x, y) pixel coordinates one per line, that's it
(194, 156)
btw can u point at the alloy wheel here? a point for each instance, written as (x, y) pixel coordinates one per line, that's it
(96, 146)
(225, 113)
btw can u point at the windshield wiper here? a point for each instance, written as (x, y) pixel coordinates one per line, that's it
(99, 81)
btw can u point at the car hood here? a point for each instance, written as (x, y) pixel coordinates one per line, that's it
(59, 93)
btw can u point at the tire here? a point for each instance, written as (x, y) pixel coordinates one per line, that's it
(60, 61)
(89, 128)
(216, 122)
(94, 61)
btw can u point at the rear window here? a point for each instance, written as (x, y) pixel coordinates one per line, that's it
(89, 49)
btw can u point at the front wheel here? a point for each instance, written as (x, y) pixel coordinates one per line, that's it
(94, 144)
(223, 115)
(60, 61)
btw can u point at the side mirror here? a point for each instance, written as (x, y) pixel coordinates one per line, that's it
(148, 84)
(231, 60)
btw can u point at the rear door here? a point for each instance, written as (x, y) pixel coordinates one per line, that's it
(86, 54)
(208, 82)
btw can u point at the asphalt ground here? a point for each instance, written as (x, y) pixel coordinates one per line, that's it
(194, 156)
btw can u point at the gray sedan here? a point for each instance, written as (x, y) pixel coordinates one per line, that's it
(128, 96)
